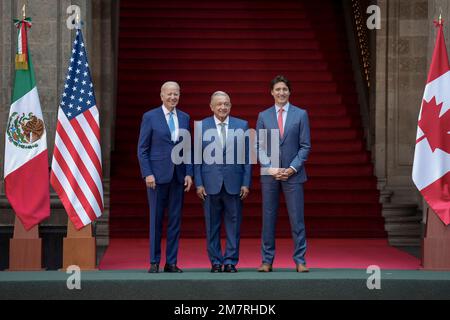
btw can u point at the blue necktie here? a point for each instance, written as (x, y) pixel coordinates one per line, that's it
(171, 124)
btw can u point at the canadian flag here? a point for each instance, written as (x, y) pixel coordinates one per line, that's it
(431, 169)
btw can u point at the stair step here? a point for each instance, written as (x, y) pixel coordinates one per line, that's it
(194, 33)
(209, 14)
(278, 23)
(196, 54)
(238, 98)
(203, 4)
(169, 44)
(243, 76)
(226, 5)
(223, 65)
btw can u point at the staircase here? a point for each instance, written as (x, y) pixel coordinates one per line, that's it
(238, 46)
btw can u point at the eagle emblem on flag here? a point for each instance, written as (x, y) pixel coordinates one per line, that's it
(25, 130)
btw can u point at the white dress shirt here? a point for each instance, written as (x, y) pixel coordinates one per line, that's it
(219, 127)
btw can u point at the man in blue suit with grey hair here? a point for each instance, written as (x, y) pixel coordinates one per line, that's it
(161, 131)
(285, 171)
(223, 180)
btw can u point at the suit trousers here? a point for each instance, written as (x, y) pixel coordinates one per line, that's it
(293, 194)
(165, 196)
(228, 207)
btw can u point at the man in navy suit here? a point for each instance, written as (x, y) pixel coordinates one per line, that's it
(286, 173)
(165, 180)
(223, 180)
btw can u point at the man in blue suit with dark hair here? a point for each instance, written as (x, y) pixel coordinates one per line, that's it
(165, 179)
(223, 180)
(285, 170)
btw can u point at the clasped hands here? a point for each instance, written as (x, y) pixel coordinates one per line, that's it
(281, 174)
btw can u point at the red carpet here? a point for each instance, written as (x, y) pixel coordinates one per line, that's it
(238, 46)
(125, 254)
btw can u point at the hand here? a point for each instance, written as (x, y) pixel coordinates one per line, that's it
(244, 192)
(187, 183)
(286, 174)
(275, 172)
(150, 182)
(201, 193)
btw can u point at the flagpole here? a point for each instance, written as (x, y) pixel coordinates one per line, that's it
(25, 248)
(22, 51)
(79, 246)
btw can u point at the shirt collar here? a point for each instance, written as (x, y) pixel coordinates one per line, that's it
(166, 111)
(285, 107)
(218, 122)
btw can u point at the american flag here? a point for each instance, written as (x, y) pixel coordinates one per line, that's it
(76, 173)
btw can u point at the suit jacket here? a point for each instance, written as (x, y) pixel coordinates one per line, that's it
(155, 147)
(295, 145)
(234, 175)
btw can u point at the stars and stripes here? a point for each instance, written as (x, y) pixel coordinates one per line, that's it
(76, 172)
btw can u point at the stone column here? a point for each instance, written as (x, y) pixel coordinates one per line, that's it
(401, 65)
(103, 52)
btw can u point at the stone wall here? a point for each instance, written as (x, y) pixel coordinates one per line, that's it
(50, 43)
(401, 71)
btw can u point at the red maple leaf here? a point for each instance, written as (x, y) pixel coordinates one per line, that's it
(435, 128)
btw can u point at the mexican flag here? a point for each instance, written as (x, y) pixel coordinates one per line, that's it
(431, 169)
(26, 162)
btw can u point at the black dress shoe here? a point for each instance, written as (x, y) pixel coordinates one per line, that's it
(229, 268)
(216, 268)
(154, 268)
(172, 268)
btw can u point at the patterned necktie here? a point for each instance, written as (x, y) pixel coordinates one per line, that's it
(223, 134)
(171, 124)
(280, 122)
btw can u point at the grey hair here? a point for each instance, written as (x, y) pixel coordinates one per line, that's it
(170, 83)
(219, 93)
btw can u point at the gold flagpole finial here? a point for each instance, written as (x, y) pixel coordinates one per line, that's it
(77, 19)
(24, 12)
(440, 15)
